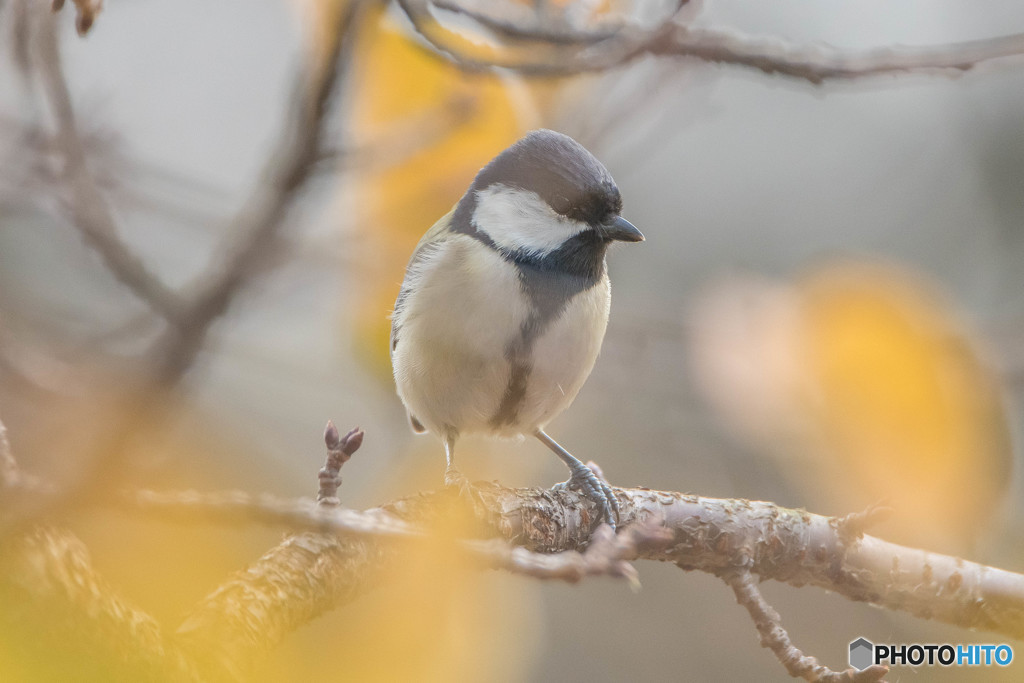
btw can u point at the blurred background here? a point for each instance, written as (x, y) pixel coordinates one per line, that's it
(827, 313)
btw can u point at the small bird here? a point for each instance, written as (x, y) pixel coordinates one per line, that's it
(505, 302)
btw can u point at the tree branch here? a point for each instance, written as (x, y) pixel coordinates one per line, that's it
(600, 51)
(88, 206)
(85, 13)
(253, 242)
(255, 230)
(49, 588)
(545, 534)
(774, 637)
(708, 534)
(818, 63)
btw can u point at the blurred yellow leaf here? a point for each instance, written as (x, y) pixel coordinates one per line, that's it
(429, 127)
(901, 396)
(434, 616)
(866, 368)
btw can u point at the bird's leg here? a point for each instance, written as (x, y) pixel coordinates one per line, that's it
(452, 477)
(583, 479)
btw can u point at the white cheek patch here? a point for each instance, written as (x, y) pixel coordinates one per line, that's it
(518, 219)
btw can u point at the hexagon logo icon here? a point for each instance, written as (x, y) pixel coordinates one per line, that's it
(861, 651)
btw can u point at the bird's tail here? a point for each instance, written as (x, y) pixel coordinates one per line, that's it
(416, 425)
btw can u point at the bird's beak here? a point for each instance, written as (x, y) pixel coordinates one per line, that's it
(621, 230)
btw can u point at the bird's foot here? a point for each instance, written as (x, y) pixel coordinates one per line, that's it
(594, 488)
(453, 478)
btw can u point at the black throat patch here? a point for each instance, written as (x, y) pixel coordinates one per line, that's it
(549, 289)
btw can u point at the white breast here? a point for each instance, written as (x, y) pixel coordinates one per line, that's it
(465, 309)
(563, 357)
(450, 365)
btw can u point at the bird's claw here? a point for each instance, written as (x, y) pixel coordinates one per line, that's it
(595, 489)
(453, 478)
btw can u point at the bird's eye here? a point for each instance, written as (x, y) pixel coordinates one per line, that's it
(561, 205)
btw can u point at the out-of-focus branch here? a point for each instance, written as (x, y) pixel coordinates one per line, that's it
(818, 63)
(305, 576)
(535, 25)
(579, 52)
(50, 593)
(89, 209)
(250, 249)
(85, 13)
(255, 240)
(8, 465)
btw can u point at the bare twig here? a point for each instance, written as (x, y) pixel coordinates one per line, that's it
(534, 26)
(14, 482)
(239, 507)
(85, 13)
(774, 637)
(8, 465)
(253, 235)
(819, 63)
(674, 38)
(339, 450)
(607, 555)
(87, 205)
(255, 231)
(852, 526)
(253, 241)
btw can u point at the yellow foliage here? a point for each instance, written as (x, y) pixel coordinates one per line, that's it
(435, 127)
(901, 396)
(435, 617)
(867, 370)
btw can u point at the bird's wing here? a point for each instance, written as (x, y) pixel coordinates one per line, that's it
(439, 232)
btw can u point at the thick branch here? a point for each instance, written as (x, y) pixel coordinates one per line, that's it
(289, 586)
(708, 534)
(53, 603)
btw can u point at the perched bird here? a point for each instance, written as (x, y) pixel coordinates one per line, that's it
(505, 301)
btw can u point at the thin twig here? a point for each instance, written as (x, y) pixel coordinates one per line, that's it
(255, 231)
(774, 637)
(818, 63)
(608, 554)
(85, 13)
(249, 250)
(674, 38)
(339, 450)
(538, 28)
(8, 465)
(851, 527)
(89, 209)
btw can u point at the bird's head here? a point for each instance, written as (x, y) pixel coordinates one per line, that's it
(548, 202)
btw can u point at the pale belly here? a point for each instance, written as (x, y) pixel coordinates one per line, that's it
(452, 364)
